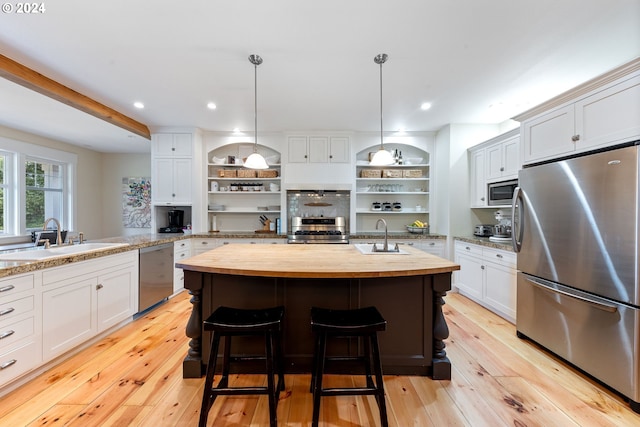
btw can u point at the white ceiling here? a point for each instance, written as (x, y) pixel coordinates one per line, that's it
(318, 71)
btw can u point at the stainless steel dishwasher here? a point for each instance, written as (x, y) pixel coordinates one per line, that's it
(156, 275)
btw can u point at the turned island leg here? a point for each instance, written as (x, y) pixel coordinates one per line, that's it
(192, 366)
(441, 363)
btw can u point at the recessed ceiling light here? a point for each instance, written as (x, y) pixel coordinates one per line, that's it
(425, 106)
(211, 106)
(138, 104)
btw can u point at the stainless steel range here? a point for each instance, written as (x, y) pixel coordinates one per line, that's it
(318, 230)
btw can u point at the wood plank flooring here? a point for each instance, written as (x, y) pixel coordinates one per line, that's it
(133, 377)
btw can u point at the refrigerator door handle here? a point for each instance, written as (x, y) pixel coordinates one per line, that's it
(547, 286)
(518, 227)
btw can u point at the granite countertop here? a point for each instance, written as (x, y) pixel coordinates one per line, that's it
(135, 242)
(484, 241)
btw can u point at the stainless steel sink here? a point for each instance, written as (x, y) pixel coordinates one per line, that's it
(58, 251)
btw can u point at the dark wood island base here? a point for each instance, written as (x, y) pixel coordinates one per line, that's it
(410, 301)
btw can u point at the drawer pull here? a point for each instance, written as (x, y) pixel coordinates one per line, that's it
(99, 286)
(205, 243)
(498, 255)
(7, 311)
(432, 244)
(8, 363)
(7, 288)
(6, 334)
(468, 248)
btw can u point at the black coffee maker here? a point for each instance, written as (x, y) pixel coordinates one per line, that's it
(176, 222)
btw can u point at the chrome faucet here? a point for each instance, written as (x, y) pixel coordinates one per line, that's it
(385, 248)
(58, 235)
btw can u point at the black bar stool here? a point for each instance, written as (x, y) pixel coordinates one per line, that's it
(362, 322)
(228, 322)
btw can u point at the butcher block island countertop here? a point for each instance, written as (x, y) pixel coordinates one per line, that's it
(315, 261)
(408, 289)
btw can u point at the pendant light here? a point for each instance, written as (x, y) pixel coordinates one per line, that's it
(382, 157)
(255, 160)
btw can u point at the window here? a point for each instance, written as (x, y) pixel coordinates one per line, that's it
(44, 192)
(36, 183)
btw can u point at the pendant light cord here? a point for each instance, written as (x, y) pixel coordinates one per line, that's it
(255, 113)
(381, 132)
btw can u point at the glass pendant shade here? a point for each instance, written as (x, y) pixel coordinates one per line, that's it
(255, 160)
(382, 158)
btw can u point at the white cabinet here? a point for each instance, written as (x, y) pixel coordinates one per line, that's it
(433, 246)
(172, 169)
(319, 149)
(172, 145)
(83, 299)
(181, 251)
(488, 276)
(478, 184)
(503, 159)
(497, 159)
(202, 245)
(603, 117)
(20, 326)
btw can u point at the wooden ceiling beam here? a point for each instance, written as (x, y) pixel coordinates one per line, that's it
(24, 76)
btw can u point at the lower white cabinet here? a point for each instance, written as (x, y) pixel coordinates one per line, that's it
(432, 246)
(20, 326)
(181, 251)
(82, 299)
(488, 276)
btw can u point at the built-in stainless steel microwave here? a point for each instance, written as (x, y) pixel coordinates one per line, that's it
(501, 193)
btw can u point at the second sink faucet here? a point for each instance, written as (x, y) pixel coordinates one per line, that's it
(58, 235)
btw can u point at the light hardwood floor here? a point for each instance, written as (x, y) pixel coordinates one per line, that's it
(133, 377)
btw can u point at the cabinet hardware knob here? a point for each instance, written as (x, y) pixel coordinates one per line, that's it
(575, 138)
(6, 334)
(7, 311)
(173, 148)
(468, 248)
(7, 288)
(498, 256)
(482, 198)
(99, 286)
(432, 244)
(482, 267)
(5, 365)
(502, 169)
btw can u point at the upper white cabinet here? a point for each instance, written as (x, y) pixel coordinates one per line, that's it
(172, 169)
(172, 145)
(503, 159)
(497, 159)
(600, 113)
(318, 149)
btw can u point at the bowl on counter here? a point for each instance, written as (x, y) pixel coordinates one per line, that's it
(417, 230)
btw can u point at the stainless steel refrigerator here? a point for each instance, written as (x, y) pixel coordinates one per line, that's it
(575, 229)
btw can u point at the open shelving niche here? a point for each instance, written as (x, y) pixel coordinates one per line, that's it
(241, 209)
(411, 192)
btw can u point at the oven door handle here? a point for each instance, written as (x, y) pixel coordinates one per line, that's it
(549, 287)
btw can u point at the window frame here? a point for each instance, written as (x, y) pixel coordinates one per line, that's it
(22, 152)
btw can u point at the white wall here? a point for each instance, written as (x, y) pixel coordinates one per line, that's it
(116, 167)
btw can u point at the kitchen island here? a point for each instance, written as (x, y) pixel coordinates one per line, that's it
(408, 289)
